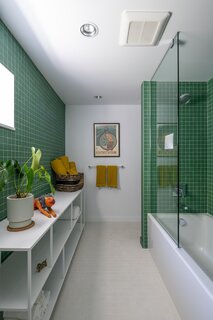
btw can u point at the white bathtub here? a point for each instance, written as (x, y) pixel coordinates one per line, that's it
(190, 287)
(196, 237)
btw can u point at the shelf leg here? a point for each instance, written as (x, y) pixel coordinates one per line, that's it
(51, 247)
(0, 266)
(81, 197)
(71, 216)
(63, 263)
(84, 213)
(29, 282)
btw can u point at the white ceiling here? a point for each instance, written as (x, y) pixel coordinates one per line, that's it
(78, 68)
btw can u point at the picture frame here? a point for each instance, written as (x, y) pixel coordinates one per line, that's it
(167, 139)
(106, 139)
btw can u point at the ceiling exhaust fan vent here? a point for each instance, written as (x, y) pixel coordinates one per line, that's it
(140, 28)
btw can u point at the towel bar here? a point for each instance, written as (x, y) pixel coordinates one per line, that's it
(94, 166)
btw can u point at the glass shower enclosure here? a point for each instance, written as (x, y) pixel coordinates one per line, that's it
(182, 145)
(164, 141)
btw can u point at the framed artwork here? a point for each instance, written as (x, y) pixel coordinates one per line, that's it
(167, 140)
(106, 139)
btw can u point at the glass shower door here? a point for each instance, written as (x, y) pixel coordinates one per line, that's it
(195, 150)
(164, 141)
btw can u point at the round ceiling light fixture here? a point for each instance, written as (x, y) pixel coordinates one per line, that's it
(89, 29)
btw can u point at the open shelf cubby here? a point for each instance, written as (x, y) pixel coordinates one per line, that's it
(61, 232)
(13, 283)
(54, 284)
(71, 244)
(40, 253)
(53, 240)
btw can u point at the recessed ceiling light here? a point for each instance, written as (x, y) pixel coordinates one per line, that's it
(98, 97)
(89, 29)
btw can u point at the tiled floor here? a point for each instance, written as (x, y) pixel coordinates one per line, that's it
(113, 278)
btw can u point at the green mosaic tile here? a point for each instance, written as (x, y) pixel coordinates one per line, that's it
(39, 113)
(166, 161)
(210, 147)
(193, 146)
(162, 175)
(146, 160)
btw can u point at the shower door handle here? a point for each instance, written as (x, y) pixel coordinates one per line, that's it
(182, 222)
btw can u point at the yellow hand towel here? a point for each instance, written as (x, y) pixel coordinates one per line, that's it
(167, 175)
(72, 168)
(100, 176)
(65, 161)
(112, 176)
(58, 167)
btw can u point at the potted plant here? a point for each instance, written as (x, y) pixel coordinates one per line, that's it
(20, 205)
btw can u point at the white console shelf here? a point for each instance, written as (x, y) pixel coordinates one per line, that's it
(54, 239)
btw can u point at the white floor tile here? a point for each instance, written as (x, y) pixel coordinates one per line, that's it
(113, 278)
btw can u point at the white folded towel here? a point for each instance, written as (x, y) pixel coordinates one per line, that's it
(38, 310)
(46, 299)
(76, 212)
(41, 305)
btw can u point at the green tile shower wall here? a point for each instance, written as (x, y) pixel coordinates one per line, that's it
(193, 146)
(166, 119)
(39, 113)
(146, 160)
(210, 147)
(155, 96)
(153, 169)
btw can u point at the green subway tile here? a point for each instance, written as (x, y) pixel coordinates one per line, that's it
(193, 146)
(210, 146)
(195, 126)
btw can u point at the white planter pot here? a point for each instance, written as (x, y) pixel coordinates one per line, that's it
(20, 211)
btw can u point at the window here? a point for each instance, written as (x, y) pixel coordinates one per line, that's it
(6, 98)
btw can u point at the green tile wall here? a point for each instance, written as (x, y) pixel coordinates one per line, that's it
(210, 147)
(39, 113)
(153, 169)
(146, 159)
(166, 123)
(156, 96)
(193, 147)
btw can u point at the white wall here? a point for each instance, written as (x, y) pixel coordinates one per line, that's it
(104, 204)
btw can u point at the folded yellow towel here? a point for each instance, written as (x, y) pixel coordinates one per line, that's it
(167, 175)
(72, 168)
(58, 167)
(100, 176)
(65, 161)
(112, 176)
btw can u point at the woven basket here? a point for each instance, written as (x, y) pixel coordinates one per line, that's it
(69, 183)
